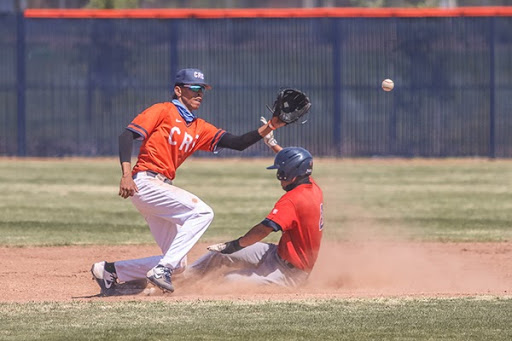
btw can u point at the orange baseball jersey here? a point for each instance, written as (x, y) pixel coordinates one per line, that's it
(169, 140)
(299, 212)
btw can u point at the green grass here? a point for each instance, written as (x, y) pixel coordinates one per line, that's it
(75, 201)
(371, 319)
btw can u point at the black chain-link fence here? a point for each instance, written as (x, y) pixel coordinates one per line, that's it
(79, 82)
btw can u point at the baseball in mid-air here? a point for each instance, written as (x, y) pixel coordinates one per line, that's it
(387, 84)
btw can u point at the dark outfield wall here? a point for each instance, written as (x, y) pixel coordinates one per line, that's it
(69, 86)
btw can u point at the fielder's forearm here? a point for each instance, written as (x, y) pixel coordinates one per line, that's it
(126, 169)
(241, 142)
(246, 140)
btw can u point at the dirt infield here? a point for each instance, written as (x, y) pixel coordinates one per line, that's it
(348, 270)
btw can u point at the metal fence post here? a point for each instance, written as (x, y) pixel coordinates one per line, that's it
(336, 74)
(492, 85)
(20, 82)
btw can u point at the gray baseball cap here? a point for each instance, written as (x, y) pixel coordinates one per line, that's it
(191, 76)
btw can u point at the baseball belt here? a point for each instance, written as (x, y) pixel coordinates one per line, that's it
(155, 175)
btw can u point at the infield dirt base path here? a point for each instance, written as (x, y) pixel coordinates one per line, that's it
(346, 270)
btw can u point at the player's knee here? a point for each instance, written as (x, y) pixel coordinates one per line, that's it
(206, 213)
(209, 213)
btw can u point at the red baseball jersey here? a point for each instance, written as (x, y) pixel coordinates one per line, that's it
(299, 212)
(169, 140)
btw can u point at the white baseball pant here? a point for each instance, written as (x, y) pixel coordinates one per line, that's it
(176, 218)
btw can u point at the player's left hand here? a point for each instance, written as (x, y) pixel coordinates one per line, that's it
(290, 105)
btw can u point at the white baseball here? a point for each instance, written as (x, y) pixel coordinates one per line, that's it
(387, 84)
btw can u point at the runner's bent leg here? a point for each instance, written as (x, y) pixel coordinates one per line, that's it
(247, 257)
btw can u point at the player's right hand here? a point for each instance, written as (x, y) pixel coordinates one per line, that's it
(127, 187)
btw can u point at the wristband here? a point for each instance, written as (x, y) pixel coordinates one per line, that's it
(232, 246)
(271, 126)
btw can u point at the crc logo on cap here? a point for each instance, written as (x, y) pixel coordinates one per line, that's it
(199, 75)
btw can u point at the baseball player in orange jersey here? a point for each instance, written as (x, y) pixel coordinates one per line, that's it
(170, 133)
(298, 214)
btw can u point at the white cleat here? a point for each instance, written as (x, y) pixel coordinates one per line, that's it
(161, 277)
(106, 280)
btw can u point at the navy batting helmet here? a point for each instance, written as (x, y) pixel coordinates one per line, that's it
(292, 162)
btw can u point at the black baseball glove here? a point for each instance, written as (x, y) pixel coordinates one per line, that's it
(291, 105)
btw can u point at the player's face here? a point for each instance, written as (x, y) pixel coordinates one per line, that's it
(190, 96)
(285, 183)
